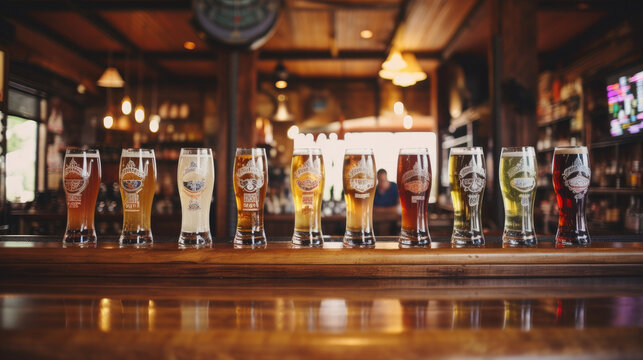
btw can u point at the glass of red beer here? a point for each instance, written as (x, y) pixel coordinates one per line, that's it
(414, 186)
(571, 176)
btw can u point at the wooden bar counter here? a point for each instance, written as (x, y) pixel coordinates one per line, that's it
(103, 303)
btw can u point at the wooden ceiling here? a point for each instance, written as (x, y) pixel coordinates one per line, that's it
(314, 38)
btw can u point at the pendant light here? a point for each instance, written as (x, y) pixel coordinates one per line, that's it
(155, 119)
(110, 77)
(126, 103)
(139, 111)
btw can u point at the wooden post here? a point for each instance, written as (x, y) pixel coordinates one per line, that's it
(513, 75)
(237, 81)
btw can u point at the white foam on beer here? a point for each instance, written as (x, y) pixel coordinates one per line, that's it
(414, 151)
(466, 151)
(83, 155)
(571, 150)
(517, 153)
(143, 153)
(359, 151)
(307, 151)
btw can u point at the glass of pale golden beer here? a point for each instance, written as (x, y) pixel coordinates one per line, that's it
(250, 184)
(467, 180)
(359, 193)
(195, 178)
(307, 184)
(81, 180)
(137, 179)
(414, 186)
(518, 171)
(571, 176)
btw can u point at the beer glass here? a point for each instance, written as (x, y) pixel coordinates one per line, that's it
(414, 186)
(518, 170)
(195, 178)
(571, 176)
(81, 180)
(467, 180)
(250, 184)
(307, 184)
(137, 179)
(359, 193)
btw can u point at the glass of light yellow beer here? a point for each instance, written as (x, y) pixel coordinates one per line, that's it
(250, 178)
(307, 184)
(518, 171)
(137, 179)
(195, 179)
(467, 181)
(359, 193)
(81, 181)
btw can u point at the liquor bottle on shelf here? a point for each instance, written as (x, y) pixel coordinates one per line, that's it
(634, 216)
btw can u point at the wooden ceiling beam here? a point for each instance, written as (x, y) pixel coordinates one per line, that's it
(19, 6)
(469, 20)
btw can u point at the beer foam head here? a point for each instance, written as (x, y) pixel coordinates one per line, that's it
(518, 151)
(307, 151)
(80, 153)
(571, 150)
(466, 151)
(359, 151)
(144, 153)
(414, 151)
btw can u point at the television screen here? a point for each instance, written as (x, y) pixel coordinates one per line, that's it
(625, 101)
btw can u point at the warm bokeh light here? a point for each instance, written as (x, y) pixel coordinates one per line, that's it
(407, 122)
(126, 105)
(81, 89)
(189, 45)
(154, 123)
(108, 121)
(293, 131)
(139, 114)
(366, 34)
(398, 108)
(281, 84)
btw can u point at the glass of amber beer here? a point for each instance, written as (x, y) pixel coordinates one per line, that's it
(307, 184)
(571, 176)
(137, 179)
(518, 170)
(414, 186)
(467, 180)
(195, 178)
(359, 193)
(250, 184)
(81, 180)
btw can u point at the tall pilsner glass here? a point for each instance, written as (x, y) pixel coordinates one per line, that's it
(518, 171)
(307, 183)
(467, 180)
(414, 187)
(359, 193)
(571, 176)
(81, 180)
(137, 178)
(195, 178)
(250, 184)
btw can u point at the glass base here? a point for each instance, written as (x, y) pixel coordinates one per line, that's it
(572, 238)
(136, 238)
(515, 238)
(414, 239)
(195, 238)
(250, 238)
(79, 237)
(464, 238)
(308, 238)
(359, 239)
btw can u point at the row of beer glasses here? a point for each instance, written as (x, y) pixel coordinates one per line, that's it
(467, 179)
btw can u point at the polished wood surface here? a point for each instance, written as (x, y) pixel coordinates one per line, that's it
(241, 318)
(46, 256)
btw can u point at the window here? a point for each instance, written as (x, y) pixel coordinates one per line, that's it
(22, 140)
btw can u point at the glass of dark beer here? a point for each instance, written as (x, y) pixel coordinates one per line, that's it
(414, 186)
(81, 180)
(571, 176)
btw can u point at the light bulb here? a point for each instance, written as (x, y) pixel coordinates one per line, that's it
(407, 122)
(292, 132)
(139, 114)
(398, 108)
(126, 105)
(154, 123)
(108, 121)
(281, 84)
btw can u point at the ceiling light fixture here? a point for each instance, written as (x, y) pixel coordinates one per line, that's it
(110, 79)
(139, 114)
(407, 122)
(108, 121)
(366, 34)
(126, 105)
(398, 108)
(281, 76)
(403, 69)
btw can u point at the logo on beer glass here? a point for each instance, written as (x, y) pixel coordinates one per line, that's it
(132, 186)
(523, 184)
(308, 175)
(253, 183)
(578, 183)
(75, 186)
(472, 179)
(361, 185)
(193, 185)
